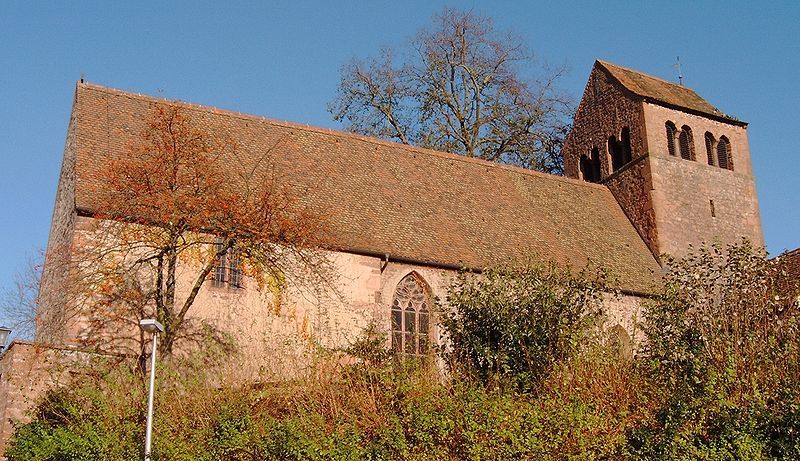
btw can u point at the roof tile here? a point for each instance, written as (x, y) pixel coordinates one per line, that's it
(662, 91)
(387, 198)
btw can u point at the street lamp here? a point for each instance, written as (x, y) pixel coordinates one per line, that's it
(154, 327)
(4, 332)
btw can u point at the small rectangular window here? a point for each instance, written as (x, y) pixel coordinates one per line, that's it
(227, 271)
(713, 210)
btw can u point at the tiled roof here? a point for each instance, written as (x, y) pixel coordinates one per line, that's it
(381, 197)
(662, 91)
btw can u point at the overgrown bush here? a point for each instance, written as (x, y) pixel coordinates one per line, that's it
(723, 343)
(717, 379)
(514, 323)
(401, 413)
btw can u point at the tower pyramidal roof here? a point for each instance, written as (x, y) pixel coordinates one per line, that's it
(663, 92)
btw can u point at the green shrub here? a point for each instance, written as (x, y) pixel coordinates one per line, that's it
(717, 379)
(722, 342)
(515, 322)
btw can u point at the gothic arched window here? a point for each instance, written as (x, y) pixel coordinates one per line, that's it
(672, 130)
(686, 143)
(724, 153)
(710, 142)
(411, 317)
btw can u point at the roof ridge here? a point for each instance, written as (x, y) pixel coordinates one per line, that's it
(607, 63)
(789, 253)
(346, 134)
(663, 92)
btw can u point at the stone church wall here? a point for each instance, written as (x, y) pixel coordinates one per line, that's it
(631, 186)
(27, 371)
(54, 275)
(276, 330)
(683, 190)
(604, 110)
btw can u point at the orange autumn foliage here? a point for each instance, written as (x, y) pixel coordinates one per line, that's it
(181, 198)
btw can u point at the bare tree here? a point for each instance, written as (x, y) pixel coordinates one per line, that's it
(19, 303)
(462, 89)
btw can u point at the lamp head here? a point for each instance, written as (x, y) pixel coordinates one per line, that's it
(151, 326)
(4, 332)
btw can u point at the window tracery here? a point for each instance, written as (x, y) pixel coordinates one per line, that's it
(411, 325)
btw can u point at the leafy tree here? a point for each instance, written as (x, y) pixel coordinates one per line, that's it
(515, 322)
(719, 308)
(461, 87)
(169, 210)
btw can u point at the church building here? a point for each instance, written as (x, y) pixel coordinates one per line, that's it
(651, 168)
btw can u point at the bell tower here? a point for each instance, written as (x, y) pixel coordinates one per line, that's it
(678, 167)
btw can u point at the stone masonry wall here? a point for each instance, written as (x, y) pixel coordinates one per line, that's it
(274, 327)
(54, 276)
(604, 110)
(274, 330)
(631, 186)
(683, 190)
(27, 371)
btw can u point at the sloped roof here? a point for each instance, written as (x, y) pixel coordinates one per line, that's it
(662, 91)
(381, 197)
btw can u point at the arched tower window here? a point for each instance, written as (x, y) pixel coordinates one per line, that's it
(686, 143)
(625, 140)
(672, 131)
(585, 167)
(710, 144)
(411, 325)
(724, 153)
(590, 166)
(615, 151)
(594, 162)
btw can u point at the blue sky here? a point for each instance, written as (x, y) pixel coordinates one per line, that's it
(281, 59)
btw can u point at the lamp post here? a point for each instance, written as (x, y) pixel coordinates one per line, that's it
(4, 332)
(154, 327)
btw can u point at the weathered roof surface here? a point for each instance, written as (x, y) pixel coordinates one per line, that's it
(387, 198)
(662, 91)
